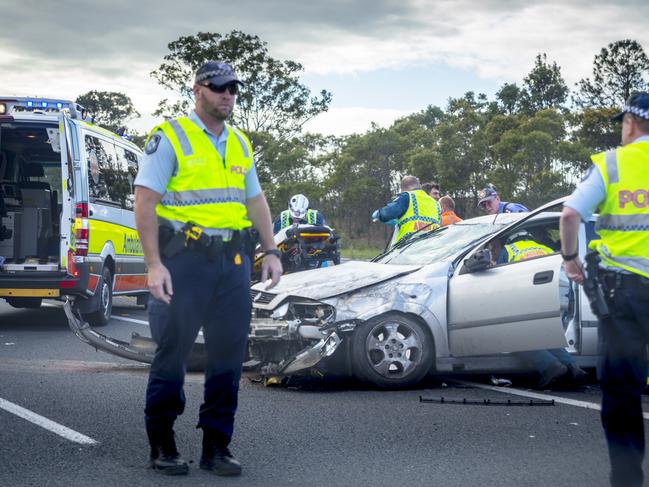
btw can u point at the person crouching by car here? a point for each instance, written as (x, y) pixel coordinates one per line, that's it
(556, 367)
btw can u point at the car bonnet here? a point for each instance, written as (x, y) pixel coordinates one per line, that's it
(336, 280)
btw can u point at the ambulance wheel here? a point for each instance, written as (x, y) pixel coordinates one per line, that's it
(104, 296)
(25, 302)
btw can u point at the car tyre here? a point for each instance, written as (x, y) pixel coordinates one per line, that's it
(104, 296)
(392, 351)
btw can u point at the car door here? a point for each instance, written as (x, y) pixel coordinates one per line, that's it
(507, 308)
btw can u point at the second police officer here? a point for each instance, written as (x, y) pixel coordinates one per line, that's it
(197, 195)
(618, 183)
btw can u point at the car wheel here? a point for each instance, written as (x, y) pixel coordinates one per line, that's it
(25, 302)
(392, 351)
(104, 296)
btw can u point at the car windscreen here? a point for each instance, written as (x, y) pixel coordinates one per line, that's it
(439, 244)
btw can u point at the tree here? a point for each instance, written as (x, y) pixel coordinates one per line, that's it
(618, 70)
(110, 109)
(543, 87)
(509, 98)
(273, 100)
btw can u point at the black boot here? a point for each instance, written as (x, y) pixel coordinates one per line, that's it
(164, 455)
(216, 455)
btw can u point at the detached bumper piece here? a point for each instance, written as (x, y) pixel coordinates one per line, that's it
(140, 349)
(309, 357)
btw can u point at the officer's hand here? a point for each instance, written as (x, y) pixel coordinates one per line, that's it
(271, 265)
(159, 282)
(375, 216)
(574, 270)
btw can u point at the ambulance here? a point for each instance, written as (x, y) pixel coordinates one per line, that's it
(68, 227)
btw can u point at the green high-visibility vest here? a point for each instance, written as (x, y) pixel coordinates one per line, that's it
(422, 212)
(206, 189)
(623, 222)
(286, 220)
(525, 249)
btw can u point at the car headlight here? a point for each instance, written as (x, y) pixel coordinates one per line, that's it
(313, 313)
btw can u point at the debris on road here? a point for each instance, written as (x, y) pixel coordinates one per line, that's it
(488, 402)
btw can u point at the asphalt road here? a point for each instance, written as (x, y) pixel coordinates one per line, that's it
(322, 433)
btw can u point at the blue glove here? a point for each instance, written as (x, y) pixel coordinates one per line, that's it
(375, 216)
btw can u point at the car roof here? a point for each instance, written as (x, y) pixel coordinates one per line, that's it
(506, 218)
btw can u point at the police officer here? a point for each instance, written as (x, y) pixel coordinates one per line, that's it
(412, 210)
(618, 183)
(298, 212)
(197, 194)
(489, 202)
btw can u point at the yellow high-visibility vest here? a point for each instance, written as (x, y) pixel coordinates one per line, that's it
(206, 189)
(286, 221)
(525, 249)
(623, 223)
(422, 212)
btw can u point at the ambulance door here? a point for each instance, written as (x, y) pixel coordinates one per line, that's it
(71, 185)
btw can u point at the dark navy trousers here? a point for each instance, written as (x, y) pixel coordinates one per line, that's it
(215, 296)
(622, 372)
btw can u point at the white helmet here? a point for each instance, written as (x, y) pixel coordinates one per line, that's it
(520, 235)
(297, 206)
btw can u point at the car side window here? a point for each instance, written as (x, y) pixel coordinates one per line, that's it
(531, 241)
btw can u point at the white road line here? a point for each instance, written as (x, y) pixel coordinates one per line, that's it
(537, 395)
(48, 424)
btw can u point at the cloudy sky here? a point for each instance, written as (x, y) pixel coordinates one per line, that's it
(381, 59)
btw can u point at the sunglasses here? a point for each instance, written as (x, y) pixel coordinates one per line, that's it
(233, 88)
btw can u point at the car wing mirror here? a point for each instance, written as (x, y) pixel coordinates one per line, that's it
(479, 261)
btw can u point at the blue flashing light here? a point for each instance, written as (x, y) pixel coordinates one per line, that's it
(44, 104)
(30, 103)
(59, 105)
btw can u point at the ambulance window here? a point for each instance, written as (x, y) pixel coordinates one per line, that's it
(128, 169)
(106, 179)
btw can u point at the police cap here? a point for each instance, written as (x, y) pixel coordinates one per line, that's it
(217, 73)
(637, 105)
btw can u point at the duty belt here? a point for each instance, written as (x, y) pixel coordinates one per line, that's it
(619, 280)
(192, 237)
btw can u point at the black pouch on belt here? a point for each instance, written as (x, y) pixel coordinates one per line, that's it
(250, 239)
(171, 242)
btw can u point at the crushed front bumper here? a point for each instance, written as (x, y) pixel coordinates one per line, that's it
(287, 347)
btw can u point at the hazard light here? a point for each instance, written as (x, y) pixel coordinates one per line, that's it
(28, 106)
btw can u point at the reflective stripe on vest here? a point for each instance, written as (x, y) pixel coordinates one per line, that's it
(206, 189)
(285, 219)
(525, 249)
(623, 222)
(422, 212)
(311, 217)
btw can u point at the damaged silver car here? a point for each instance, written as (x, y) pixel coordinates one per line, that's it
(438, 303)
